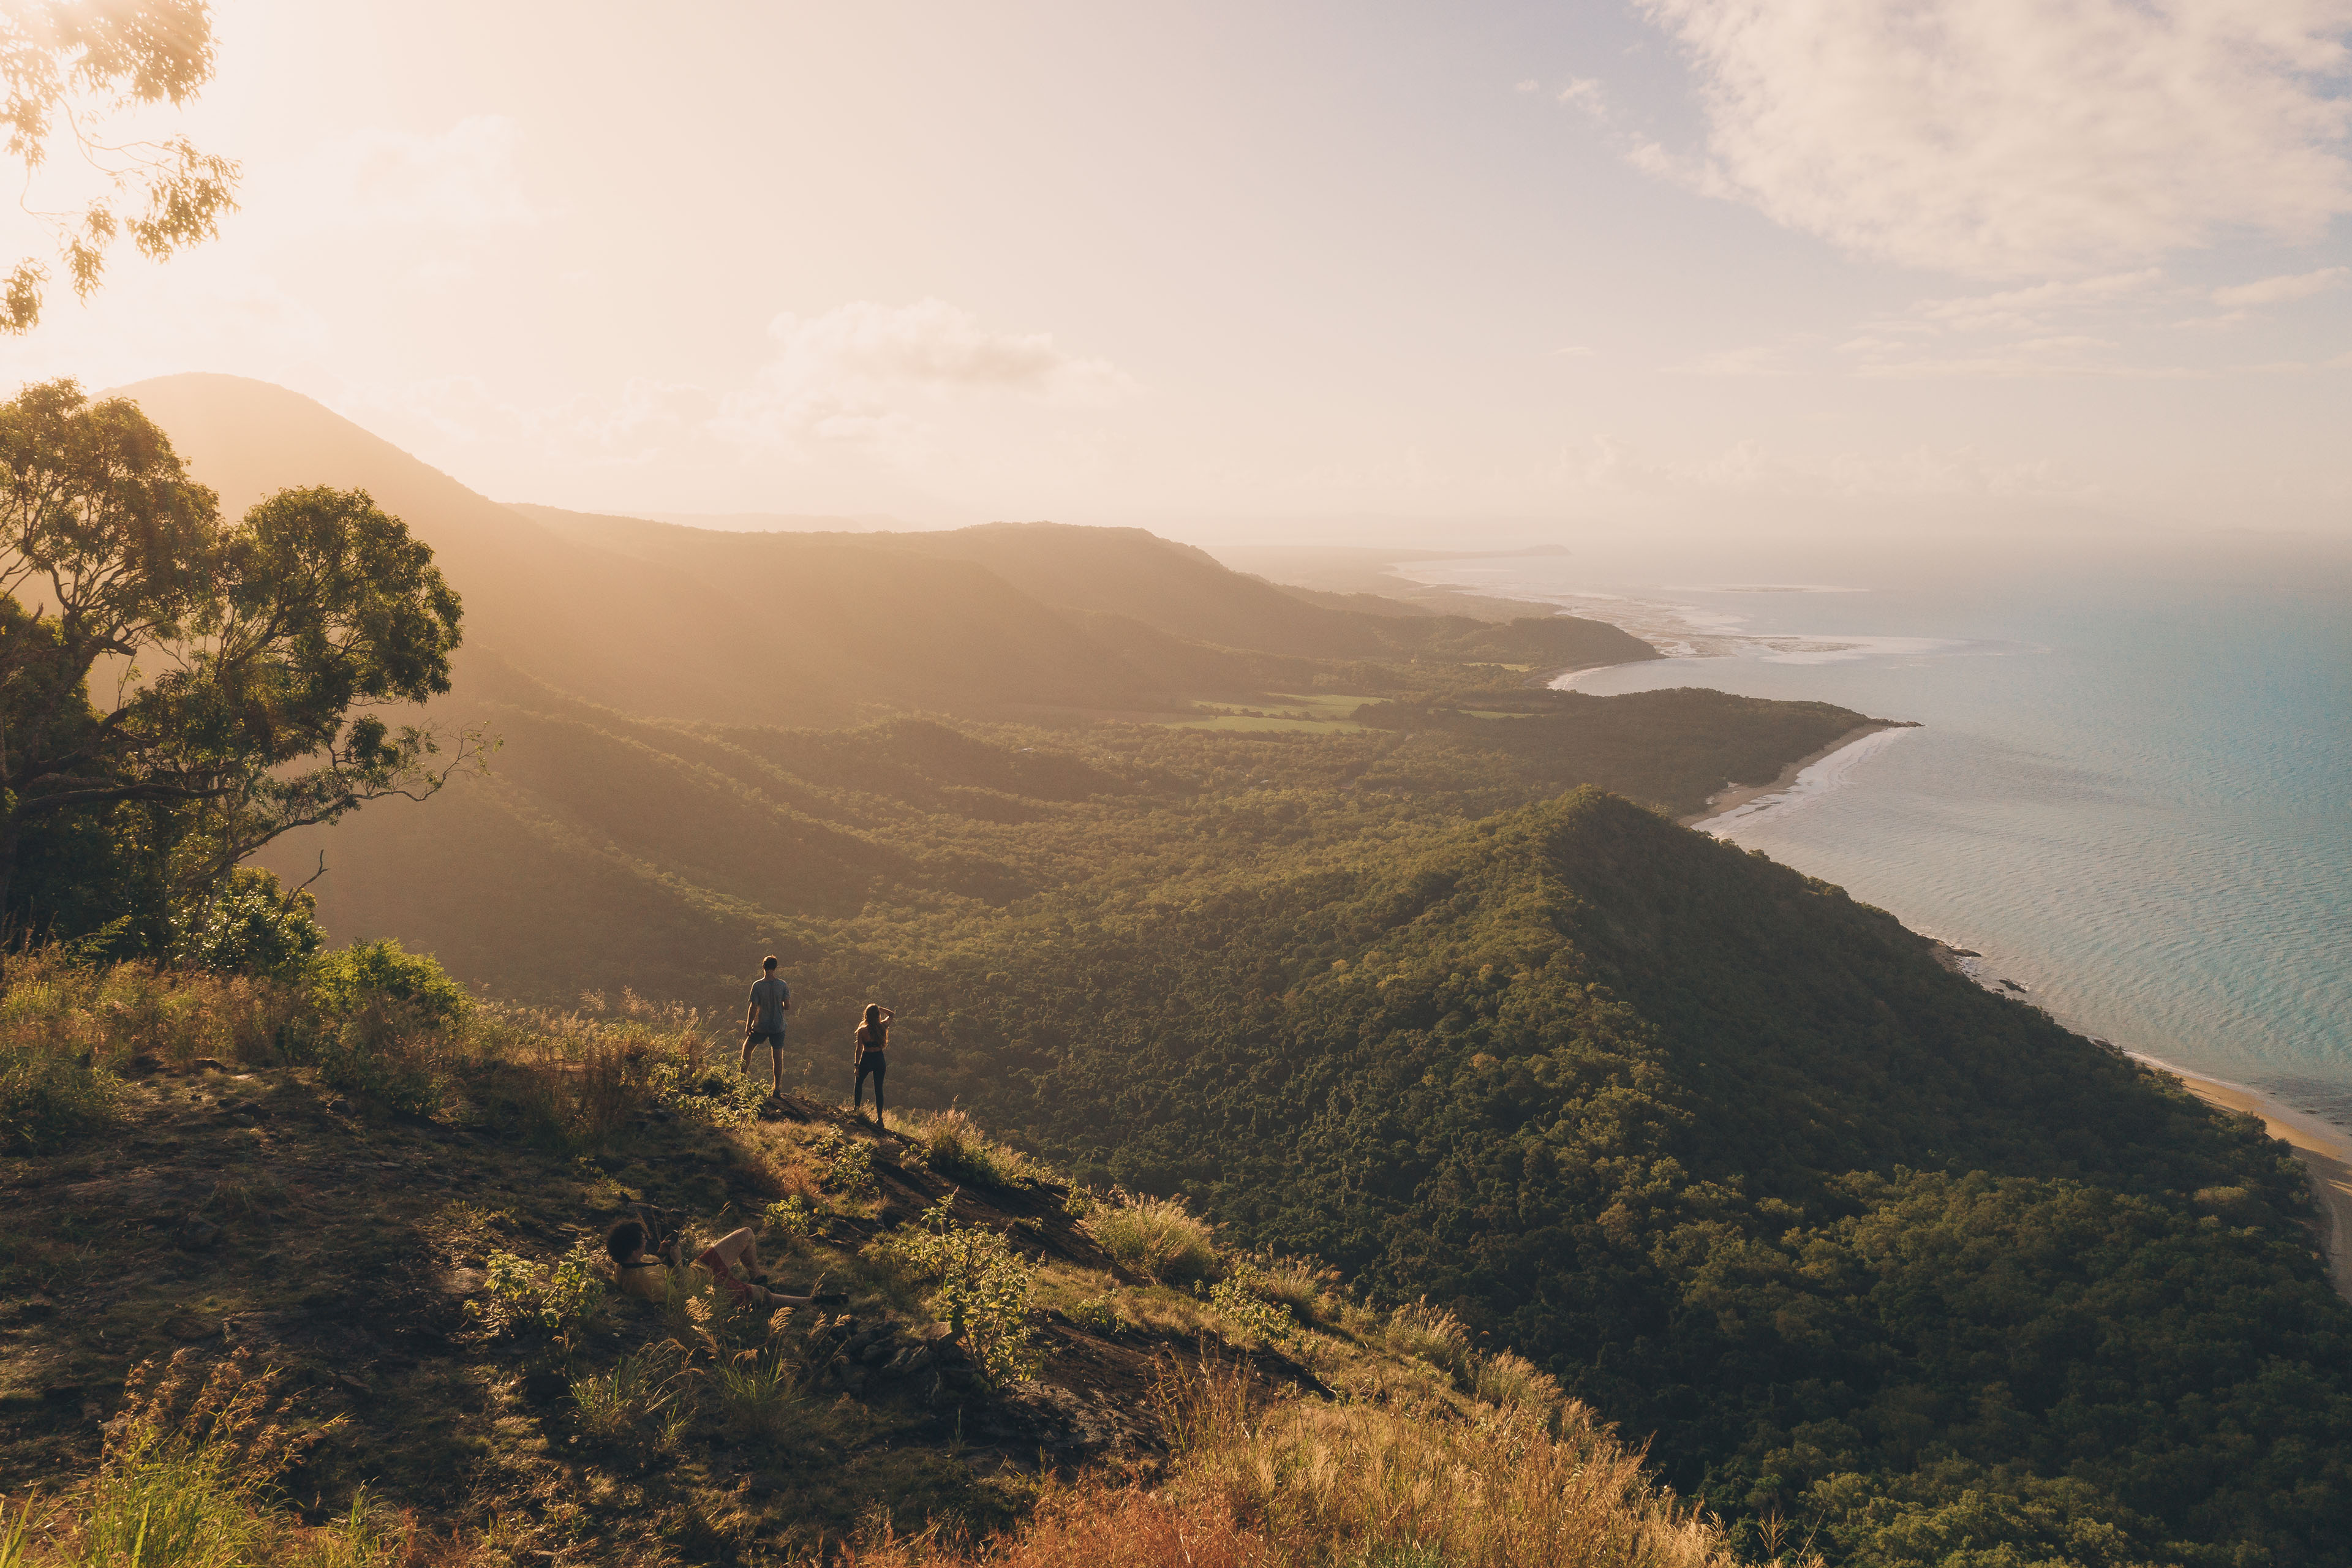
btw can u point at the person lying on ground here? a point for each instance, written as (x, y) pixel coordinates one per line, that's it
(732, 1262)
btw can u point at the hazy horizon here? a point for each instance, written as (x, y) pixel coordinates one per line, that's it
(1524, 271)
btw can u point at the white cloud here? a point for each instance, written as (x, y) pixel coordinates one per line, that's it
(1585, 93)
(2280, 290)
(1999, 137)
(930, 345)
(465, 178)
(2022, 309)
(1527, 86)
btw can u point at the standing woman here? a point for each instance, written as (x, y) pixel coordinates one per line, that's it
(873, 1039)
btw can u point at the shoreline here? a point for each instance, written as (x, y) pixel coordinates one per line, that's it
(1733, 796)
(2324, 1150)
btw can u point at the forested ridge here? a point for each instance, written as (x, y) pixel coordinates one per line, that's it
(1851, 1241)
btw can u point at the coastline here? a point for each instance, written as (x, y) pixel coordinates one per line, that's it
(2326, 1152)
(2325, 1149)
(1733, 796)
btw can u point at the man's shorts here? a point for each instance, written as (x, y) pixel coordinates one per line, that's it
(775, 1039)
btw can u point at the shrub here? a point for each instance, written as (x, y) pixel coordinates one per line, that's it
(793, 1216)
(520, 1297)
(1156, 1238)
(188, 1466)
(252, 926)
(1299, 1483)
(843, 1164)
(1100, 1313)
(1296, 1283)
(383, 1053)
(1237, 1298)
(981, 1290)
(759, 1394)
(342, 981)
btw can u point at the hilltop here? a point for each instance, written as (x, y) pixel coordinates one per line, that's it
(395, 1260)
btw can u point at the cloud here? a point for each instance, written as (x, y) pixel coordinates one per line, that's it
(1527, 86)
(2023, 309)
(2280, 290)
(928, 345)
(1999, 137)
(465, 178)
(1585, 93)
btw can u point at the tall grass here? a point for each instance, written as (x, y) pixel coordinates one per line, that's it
(572, 1082)
(1295, 1483)
(1424, 1333)
(189, 1479)
(952, 1143)
(1158, 1238)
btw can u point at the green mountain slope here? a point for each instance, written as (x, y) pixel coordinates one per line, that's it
(1852, 1240)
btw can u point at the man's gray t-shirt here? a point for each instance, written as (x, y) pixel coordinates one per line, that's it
(768, 997)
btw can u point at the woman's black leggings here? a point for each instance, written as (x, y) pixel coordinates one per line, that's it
(876, 1065)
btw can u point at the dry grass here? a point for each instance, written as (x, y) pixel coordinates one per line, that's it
(1158, 1238)
(1301, 1484)
(188, 1481)
(1433, 1334)
(952, 1143)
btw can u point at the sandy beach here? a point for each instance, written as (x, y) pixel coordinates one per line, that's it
(2324, 1150)
(1734, 796)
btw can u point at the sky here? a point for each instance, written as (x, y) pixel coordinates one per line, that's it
(1298, 271)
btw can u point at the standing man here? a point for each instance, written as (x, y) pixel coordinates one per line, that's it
(770, 1000)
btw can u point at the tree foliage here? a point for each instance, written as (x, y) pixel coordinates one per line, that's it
(240, 668)
(68, 65)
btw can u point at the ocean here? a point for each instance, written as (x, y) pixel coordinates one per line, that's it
(2131, 791)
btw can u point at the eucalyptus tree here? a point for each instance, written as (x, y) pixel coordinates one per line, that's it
(68, 68)
(231, 679)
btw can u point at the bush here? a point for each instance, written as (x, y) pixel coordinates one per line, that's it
(1156, 1238)
(254, 927)
(520, 1297)
(1237, 1298)
(1296, 1283)
(621, 1403)
(981, 1290)
(188, 1479)
(384, 1053)
(342, 981)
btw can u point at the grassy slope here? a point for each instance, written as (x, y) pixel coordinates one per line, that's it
(231, 1205)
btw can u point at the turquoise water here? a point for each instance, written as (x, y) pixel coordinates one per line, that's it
(2132, 790)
